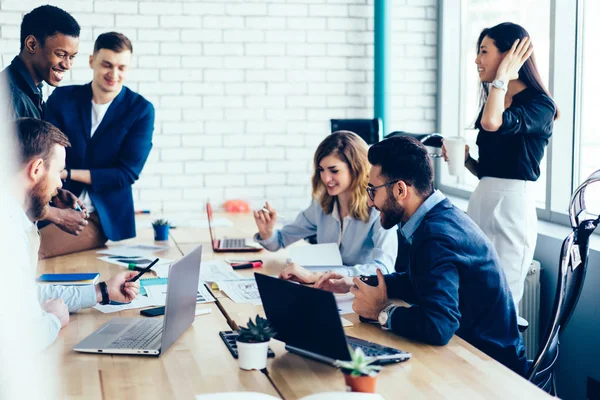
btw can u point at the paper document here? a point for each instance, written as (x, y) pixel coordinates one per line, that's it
(217, 270)
(142, 250)
(161, 270)
(139, 302)
(344, 303)
(241, 291)
(141, 262)
(317, 255)
(158, 295)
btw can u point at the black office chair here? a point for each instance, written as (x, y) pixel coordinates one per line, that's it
(431, 141)
(571, 275)
(368, 129)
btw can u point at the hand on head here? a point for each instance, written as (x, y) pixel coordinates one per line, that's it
(265, 221)
(514, 59)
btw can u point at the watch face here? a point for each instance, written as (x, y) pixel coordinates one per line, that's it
(499, 84)
(383, 317)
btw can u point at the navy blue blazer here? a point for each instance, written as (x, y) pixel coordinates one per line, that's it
(115, 155)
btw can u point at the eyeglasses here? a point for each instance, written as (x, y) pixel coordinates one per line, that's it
(371, 189)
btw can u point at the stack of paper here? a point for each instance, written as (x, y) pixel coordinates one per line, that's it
(317, 257)
(138, 302)
(139, 255)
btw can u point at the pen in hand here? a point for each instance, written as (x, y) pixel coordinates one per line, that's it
(142, 272)
(78, 208)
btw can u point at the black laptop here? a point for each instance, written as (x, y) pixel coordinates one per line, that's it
(308, 321)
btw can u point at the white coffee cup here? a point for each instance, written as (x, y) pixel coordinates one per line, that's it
(455, 151)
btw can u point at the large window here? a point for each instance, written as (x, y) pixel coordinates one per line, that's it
(588, 157)
(565, 34)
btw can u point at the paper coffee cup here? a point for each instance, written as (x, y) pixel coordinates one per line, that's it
(455, 151)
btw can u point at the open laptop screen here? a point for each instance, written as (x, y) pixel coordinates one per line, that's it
(182, 292)
(303, 317)
(209, 217)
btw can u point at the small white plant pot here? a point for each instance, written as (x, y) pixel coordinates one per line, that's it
(252, 355)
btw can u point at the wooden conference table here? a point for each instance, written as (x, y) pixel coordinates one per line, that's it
(200, 363)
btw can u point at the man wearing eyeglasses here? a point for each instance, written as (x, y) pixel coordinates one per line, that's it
(453, 283)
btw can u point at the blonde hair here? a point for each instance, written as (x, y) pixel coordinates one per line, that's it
(352, 150)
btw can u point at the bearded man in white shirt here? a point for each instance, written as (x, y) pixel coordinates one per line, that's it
(40, 149)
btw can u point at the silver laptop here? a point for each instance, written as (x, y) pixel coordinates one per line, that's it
(153, 336)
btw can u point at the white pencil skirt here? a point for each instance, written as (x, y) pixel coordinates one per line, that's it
(505, 211)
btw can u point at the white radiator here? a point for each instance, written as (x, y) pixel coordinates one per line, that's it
(529, 308)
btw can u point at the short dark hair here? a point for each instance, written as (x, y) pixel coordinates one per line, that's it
(406, 159)
(114, 41)
(37, 139)
(46, 21)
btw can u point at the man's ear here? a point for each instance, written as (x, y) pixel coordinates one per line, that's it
(36, 168)
(31, 44)
(400, 190)
(92, 61)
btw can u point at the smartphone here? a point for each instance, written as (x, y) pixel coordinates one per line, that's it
(370, 280)
(153, 312)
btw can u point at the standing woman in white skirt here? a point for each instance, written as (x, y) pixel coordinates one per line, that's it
(515, 124)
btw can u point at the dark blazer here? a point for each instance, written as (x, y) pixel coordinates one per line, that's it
(115, 155)
(456, 286)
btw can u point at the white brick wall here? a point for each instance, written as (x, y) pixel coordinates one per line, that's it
(244, 91)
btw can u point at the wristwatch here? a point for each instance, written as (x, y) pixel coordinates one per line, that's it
(497, 83)
(384, 315)
(104, 292)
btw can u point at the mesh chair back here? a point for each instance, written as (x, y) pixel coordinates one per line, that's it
(571, 276)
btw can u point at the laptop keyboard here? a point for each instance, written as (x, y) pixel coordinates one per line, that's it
(140, 336)
(371, 349)
(232, 243)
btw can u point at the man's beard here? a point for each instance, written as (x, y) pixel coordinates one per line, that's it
(391, 212)
(38, 201)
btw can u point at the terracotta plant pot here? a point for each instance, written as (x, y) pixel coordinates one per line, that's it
(363, 384)
(252, 355)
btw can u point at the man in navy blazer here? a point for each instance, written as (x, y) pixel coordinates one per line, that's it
(110, 129)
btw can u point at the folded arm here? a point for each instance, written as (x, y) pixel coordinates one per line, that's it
(75, 297)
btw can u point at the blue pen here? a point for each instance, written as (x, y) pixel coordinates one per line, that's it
(78, 208)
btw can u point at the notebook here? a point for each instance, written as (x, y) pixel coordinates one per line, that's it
(69, 279)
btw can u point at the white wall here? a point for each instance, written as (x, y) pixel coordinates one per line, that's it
(244, 90)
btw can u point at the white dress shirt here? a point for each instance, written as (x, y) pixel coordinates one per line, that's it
(26, 254)
(98, 113)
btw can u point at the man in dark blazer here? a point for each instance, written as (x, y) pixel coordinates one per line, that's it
(110, 129)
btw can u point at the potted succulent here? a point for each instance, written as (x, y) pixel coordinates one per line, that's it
(253, 344)
(359, 374)
(161, 229)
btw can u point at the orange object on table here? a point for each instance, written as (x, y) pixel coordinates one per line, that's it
(237, 206)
